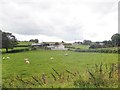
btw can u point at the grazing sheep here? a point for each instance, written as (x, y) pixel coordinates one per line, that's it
(8, 57)
(3, 58)
(51, 58)
(66, 54)
(27, 62)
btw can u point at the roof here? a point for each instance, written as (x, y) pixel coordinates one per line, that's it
(36, 44)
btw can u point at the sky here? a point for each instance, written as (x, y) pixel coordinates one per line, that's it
(60, 20)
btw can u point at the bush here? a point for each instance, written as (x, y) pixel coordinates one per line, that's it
(22, 45)
(19, 50)
(96, 46)
(119, 50)
(99, 51)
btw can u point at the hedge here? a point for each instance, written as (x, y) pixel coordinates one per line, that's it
(19, 50)
(99, 51)
(22, 45)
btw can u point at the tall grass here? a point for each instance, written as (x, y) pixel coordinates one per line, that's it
(101, 76)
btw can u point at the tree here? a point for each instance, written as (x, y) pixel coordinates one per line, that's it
(8, 40)
(108, 43)
(56, 43)
(105, 42)
(62, 42)
(87, 42)
(34, 40)
(116, 39)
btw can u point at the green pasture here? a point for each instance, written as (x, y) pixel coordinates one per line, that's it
(40, 63)
(110, 48)
(83, 47)
(15, 48)
(24, 43)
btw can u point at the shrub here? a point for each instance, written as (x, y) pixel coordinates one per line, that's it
(99, 51)
(19, 50)
(101, 76)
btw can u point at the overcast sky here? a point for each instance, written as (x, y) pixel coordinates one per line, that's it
(57, 20)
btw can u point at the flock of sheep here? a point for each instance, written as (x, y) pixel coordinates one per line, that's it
(6, 58)
(27, 60)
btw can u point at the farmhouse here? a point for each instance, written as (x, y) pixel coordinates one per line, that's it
(36, 44)
(39, 44)
(57, 47)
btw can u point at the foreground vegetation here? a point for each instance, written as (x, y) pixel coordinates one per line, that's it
(74, 70)
(102, 76)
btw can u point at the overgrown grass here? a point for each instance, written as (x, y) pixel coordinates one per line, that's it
(102, 76)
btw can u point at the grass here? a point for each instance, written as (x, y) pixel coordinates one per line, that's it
(110, 48)
(100, 77)
(24, 43)
(40, 63)
(83, 47)
(0, 71)
(15, 48)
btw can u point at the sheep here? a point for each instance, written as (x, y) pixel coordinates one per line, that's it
(3, 58)
(66, 54)
(27, 62)
(51, 58)
(8, 57)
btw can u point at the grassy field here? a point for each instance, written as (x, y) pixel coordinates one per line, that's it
(83, 47)
(16, 48)
(86, 47)
(0, 72)
(40, 63)
(24, 43)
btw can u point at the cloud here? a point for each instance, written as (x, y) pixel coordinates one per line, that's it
(61, 19)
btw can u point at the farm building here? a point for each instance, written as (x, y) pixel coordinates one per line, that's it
(50, 46)
(39, 44)
(57, 47)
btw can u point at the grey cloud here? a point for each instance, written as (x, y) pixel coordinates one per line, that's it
(101, 7)
(47, 17)
(19, 20)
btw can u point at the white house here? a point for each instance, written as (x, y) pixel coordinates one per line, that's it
(57, 47)
(101, 43)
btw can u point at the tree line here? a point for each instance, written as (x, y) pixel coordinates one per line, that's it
(9, 41)
(114, 42)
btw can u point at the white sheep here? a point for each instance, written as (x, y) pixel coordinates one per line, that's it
(3, 58)
(66, 54)
(51, 58)
(8, 57)
(27, 62)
